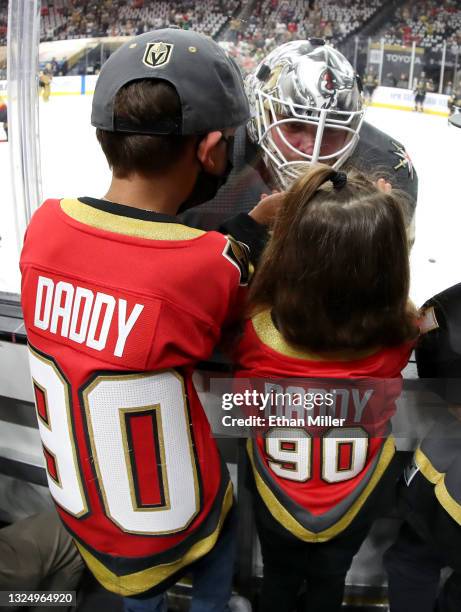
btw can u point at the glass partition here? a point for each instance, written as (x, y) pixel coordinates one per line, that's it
(22, 185)
(395, 65)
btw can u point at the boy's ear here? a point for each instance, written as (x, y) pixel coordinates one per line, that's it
(206, 149)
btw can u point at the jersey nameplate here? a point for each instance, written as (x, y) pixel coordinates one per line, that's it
(82, 315)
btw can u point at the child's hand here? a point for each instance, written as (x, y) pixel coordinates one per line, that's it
(383, 185)
(266, 210)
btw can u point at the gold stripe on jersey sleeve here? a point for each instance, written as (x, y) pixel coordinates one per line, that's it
(426, 467)
(118, 224)
(138, 582)
(438, 479)
(271, 337)
(283, 516)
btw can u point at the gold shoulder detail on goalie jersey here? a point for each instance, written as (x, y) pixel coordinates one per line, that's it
(151, 230)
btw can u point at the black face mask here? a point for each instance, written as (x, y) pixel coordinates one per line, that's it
(207, 185)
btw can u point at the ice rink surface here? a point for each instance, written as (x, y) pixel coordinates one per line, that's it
(73, 165)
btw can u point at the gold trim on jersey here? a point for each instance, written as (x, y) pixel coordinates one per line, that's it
(57, 481)
(138, 582)
(137, 228)
(283, 516)
(155, 412)
(46, 423)
(438, 479)
(72, 436)
(271, 337)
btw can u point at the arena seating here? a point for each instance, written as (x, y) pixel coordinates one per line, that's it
(275, 20)
(427, 23)
(3, 21)
(64, 19)
(250, 28)
(272, 22)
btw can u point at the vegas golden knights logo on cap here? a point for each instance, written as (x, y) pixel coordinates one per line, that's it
(157, 54)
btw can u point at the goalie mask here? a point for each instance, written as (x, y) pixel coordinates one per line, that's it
(306, 107)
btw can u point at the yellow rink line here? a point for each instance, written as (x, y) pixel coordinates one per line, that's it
(72, 93)
(375, 104)
(407, 108)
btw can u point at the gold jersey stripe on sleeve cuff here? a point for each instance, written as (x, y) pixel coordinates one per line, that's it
(438, 479)
(137, 228)
(287, 521)
(138, 582)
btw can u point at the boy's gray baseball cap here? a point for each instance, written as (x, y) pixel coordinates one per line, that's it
(207, 81)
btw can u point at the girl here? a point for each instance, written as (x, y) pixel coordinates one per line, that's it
(329, 301)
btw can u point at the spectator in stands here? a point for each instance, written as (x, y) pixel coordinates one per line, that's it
(430, 84)
(280, 31)
(292, 27)
(328, 32)
(403, 81)
(389, 80)
(234, 30)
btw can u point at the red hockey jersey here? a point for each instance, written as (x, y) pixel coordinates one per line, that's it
(119, 304)
(315, 478)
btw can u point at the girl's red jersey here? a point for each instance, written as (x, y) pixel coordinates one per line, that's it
(315, 469)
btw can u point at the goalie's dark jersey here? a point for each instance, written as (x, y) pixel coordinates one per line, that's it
(430, 492)
(119, 305)
(376, 155)
(315, 479)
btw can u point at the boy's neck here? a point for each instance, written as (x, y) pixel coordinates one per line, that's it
(163, 195)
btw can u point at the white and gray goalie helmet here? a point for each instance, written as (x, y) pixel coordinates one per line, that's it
(304, 81)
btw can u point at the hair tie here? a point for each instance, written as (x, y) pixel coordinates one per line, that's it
(339, 180)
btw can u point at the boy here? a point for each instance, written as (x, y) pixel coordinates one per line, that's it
(120, 301)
